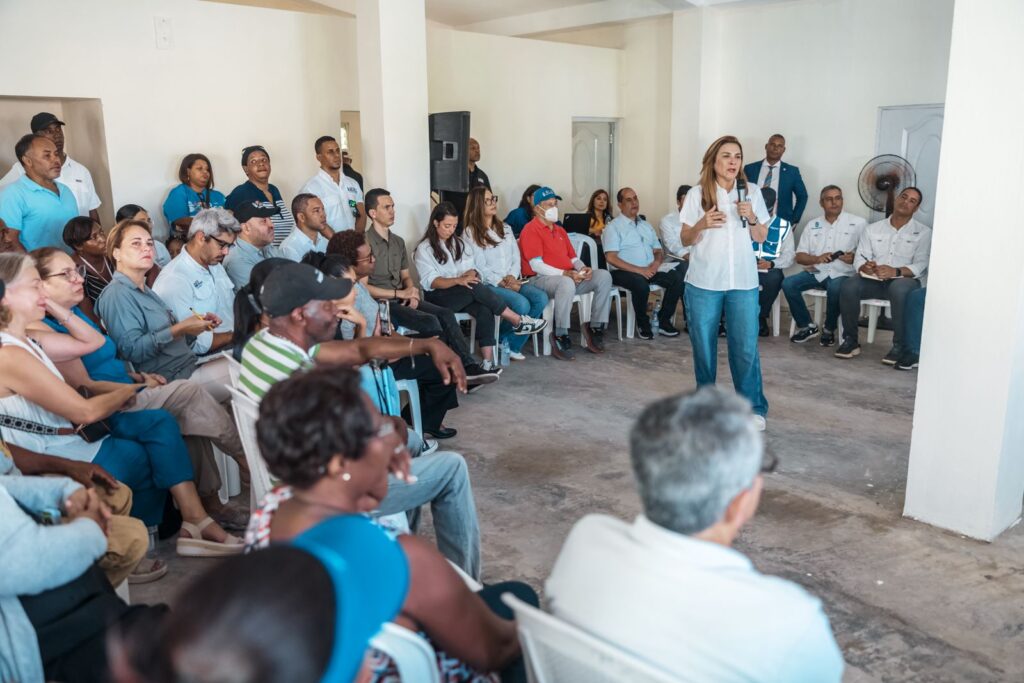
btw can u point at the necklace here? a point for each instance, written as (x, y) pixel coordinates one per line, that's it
(106, 268)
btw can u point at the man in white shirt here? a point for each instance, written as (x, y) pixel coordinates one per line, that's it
(73, 174)
(669, 588)
(892, 256)
(826, 251)
(342, 198)
(195, 282)
(311, 229)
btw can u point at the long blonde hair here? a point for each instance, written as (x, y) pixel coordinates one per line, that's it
(708, 191)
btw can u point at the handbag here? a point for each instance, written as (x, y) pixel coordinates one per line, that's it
(94, 431)
(91, 433)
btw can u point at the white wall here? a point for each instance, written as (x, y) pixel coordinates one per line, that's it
(522, 95)
(235, 76)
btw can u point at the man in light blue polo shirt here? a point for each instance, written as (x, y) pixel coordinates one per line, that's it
(635, 258)
(36, 207)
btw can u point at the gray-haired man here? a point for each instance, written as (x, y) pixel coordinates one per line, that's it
(668, 587)
(195, 282)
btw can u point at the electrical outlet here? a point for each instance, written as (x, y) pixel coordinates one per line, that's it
(164, 33)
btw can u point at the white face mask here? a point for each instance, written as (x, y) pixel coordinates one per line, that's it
(551, 214)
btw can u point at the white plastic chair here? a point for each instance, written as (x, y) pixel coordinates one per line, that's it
(631, 312)
(556, 651)
(776, 315)
(820, 297)
(246, 412)
(461, 317)
(230, 475)
(578, 243)
(234, 370)
(411, 387)
(412, 655)
(875, 306)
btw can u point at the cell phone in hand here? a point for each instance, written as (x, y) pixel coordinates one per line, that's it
(837, 254)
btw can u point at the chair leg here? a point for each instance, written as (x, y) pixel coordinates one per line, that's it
(872, 323)
(819, 311)
(776, 316)
(630, 318)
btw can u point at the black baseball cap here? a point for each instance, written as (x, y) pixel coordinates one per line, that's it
(43, 120)
(296, 284)
(247, 210)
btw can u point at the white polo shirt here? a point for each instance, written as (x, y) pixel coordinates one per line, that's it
(821, 237)
(722, 259)
(184, 285)
(698, 610)
(669, 229)
(430, 269)
(910, 246)
(74, 175)
(339, 198)
(296, 245)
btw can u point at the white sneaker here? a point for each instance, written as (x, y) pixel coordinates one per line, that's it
(429, 446)
(515, 355)
(760, 423)
(528, 325)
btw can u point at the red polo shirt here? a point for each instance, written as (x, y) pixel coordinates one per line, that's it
(553, 246)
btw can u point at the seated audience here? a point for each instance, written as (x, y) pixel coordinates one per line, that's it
(892, 256)
(256, 165)
(549, 259)
(449, 276)
(36, 207)
(498, 262)
(598, 215)
(143, 449)
(147, 333)
(137, 213)
(334, 457)
(684, 600)
(311, 229)
(826, 251)
(671, 232)
(254, 243)
(913, 324)
(299, 304)
(218, 632)
(194, 194)
(636, 261)
(772, 259)
(201, 419)
(342, 195)
(9, 240)
(518, 217)
(195, 282)
(391, 280)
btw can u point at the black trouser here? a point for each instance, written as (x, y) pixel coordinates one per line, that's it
(771, 285)
(436, 397)
(428, 320)
(491, 595)
(479, 301)
(856, 288)
(639, 289)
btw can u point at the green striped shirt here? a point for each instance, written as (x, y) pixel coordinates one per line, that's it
(268, 359)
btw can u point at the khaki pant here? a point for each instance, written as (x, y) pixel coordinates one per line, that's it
(127, 537)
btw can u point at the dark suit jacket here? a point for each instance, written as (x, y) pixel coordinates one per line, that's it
(792, 193)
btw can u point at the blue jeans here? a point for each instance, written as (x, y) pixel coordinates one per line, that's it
(703, 312)
(529, 301)
(913, 320)
(145, 451)
(794, 286)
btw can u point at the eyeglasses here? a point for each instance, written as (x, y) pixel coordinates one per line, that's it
(366, 258)
(68, 274)
(222, 243)
(493, 200)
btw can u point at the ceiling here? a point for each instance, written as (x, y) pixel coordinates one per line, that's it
(462, 12)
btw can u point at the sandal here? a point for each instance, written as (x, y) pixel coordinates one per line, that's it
(194, 545)
(148, 569)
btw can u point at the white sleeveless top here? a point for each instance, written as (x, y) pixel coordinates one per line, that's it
(70, 446)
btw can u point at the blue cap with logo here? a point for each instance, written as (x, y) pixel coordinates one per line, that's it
(543, 194)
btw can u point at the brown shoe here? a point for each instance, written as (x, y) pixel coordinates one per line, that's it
(561, 347)
(593, 341)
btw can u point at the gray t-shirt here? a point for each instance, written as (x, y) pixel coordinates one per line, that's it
(366, 305)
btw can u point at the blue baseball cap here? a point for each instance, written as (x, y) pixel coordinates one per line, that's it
(371, 578)
(543, 194)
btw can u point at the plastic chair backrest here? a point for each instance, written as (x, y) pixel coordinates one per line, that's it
(234, 370)
(579, 242)
(556, 651)
(413, 655)
(246, 413)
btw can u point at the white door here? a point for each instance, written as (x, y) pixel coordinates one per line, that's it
(592, 157)
(914, 132)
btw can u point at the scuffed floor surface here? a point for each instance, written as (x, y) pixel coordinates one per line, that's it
(908, 602)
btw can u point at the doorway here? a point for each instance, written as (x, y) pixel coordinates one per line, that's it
(914, 132)
(594, 157)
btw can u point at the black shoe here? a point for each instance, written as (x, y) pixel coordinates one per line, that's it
(667, 329)
(828, 338)
(907, 361)
(441, 433)
(805, 334)
(594, 339)
(478, 374)
(891, 357)
(762, 328)
(644, 332)
(721, 329)
(561, 347)
(848, 349)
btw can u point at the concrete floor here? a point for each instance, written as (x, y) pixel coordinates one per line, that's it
(907, 602)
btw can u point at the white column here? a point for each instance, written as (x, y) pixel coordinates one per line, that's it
(967, 452)
(391, 40)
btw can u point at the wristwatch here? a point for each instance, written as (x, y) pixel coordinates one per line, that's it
(899, 272)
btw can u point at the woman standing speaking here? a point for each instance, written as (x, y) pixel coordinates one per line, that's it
(718, 227)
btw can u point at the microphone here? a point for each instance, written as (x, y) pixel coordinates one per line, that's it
(741, 195)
